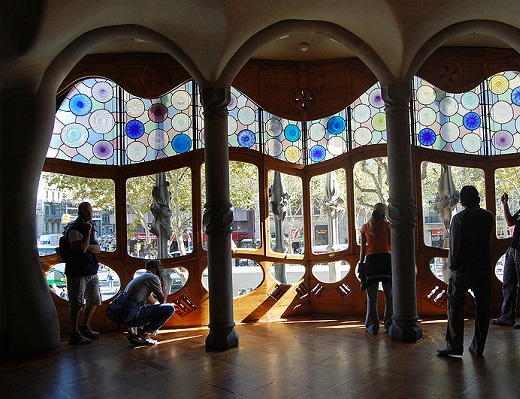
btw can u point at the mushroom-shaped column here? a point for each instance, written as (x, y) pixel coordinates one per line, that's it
(218, 219)
(402, 214)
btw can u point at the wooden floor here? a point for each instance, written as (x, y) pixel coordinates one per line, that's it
(304, 358)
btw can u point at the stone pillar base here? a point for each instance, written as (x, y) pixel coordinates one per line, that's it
(405, 331)
(221, 339)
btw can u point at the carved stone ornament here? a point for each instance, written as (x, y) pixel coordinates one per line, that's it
(218, 218)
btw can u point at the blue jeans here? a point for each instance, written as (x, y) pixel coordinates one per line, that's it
(152, 317)
(372, 317)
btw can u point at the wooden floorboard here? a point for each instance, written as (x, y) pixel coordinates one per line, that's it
(296, 358)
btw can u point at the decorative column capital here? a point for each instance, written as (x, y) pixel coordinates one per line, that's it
(215, 99)
(396, 96)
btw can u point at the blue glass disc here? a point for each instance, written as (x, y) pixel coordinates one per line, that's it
(427, 137)
(246, 138)
(336, 125)
(292, 133)
(181, 143)
(134, 129)
(80, 104)
(471, 120)
(515, 96)
(318, 153)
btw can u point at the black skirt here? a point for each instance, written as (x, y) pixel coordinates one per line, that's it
(378, 267)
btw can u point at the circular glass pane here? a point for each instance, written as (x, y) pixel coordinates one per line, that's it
(470, 100)
(363, 136)
(316, 131)
(74, 135)
(157, 113)
(501, 112)
(134, 129)
(426, 116)
(246, 138)
(426, 95)
(292, 133)
(471, 120)
(471, 142)
(181, 100)
(136, 151)
(103, 149)
(181, 143)
(450, 132)
(273, 127)
(80, 104)
(498, 84)
(135, 107)
(502, 140)
(102, 92)
(427, 137)
(318, 153)
(101, 121)
(158, 139)
(448, 106)
(246, 115)
(361, 113)
(336, 125)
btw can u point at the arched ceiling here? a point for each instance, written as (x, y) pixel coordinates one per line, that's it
(211, 32)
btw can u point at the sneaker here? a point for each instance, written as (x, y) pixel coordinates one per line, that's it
(78, 339)
(500, 322)
(517, 325)
(88, 333)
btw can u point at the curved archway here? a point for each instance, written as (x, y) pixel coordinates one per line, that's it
(506, 33)
(63, 62)
(272, 32)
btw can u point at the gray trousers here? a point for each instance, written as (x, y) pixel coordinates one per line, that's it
(510, 285)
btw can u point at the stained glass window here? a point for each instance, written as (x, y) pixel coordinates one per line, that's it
(448, 121)
(243, 121)
(503, 95)
(368, 118)
(85, 128)
(283, 138)
(99, 123)
(327, 137)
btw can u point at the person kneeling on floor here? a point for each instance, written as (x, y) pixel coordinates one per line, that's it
(141, 306)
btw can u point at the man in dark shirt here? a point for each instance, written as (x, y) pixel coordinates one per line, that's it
(511, 270)
(81, 270)
(470, 265)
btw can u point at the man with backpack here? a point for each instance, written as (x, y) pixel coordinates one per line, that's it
(81, 267)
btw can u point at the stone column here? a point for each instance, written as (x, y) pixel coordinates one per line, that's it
(28, 318)
(402, 214)
(218, 219)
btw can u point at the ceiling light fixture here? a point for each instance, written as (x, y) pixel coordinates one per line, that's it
(304, 46)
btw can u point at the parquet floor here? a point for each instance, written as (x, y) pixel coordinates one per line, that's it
(304, 358)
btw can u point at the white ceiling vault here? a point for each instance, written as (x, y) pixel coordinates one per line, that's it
(217, 36)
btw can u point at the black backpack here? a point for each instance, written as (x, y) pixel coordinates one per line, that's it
(63, 249)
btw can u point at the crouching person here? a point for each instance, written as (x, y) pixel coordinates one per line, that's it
(141, 306)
